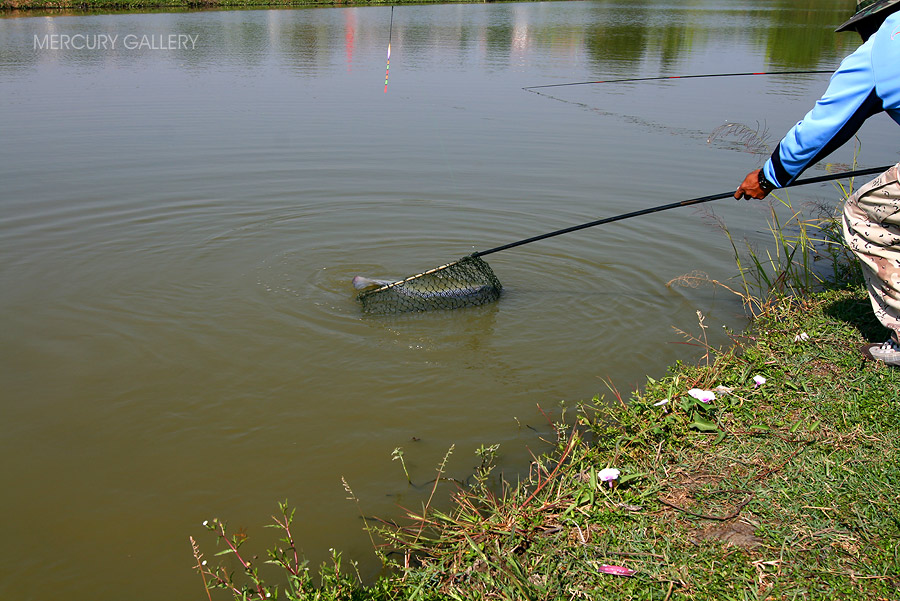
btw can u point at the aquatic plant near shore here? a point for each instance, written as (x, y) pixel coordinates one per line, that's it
(807, 250)
(397, 454)
(295, 581)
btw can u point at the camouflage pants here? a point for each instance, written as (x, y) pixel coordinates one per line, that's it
(872, 229)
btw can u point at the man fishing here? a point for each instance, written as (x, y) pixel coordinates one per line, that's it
(866, 83)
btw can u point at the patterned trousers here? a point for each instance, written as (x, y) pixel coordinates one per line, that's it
(872, 230)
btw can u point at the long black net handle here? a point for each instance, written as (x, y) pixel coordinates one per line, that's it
(675, 205)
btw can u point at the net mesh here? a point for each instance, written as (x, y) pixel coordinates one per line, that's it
(467, 282)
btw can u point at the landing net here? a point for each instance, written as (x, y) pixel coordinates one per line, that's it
(467, 282)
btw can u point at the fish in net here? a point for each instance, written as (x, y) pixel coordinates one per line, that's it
(470, 281)
(467, 282)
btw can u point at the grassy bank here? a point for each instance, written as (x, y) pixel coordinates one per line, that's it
(107, 5)
(786, 488)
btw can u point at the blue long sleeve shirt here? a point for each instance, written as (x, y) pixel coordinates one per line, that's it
(866, 83)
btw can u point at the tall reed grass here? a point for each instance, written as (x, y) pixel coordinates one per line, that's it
(806, 251)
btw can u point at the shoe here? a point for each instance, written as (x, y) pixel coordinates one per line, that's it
(889, 352)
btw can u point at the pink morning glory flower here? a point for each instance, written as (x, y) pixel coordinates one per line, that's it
(608, 474)
(704, 396)
(616, 570)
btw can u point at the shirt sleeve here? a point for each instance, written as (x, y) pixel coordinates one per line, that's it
(850, 99)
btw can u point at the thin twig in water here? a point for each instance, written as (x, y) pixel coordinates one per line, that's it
(614, 390)
(544, 413)
(352, 497)
(199, 556)
(433, 489)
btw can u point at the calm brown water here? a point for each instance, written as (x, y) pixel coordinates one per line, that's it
(179, 227)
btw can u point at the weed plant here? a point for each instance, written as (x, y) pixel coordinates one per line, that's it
(807, 252)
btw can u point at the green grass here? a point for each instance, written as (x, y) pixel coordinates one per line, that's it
(788, 490)
(804, 467)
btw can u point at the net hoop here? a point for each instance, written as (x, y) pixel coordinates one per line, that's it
(467, 282)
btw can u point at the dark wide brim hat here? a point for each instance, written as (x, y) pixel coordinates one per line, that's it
(867, 8)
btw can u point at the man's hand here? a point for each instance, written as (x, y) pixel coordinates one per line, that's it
(750, 187)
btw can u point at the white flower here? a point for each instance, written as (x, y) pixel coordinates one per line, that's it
(206, 522)
(203, 563)
(758, 381)
(804, 336)
(661, 403)
(608, 474)
(704, 396)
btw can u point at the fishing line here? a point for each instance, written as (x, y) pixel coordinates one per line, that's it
(644, 122)
(387, 70)
(665, 77)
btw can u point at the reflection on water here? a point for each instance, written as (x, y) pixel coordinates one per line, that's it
(179, 228)
(793, 34)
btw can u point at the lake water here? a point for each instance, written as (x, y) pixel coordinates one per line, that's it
(180, 222)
